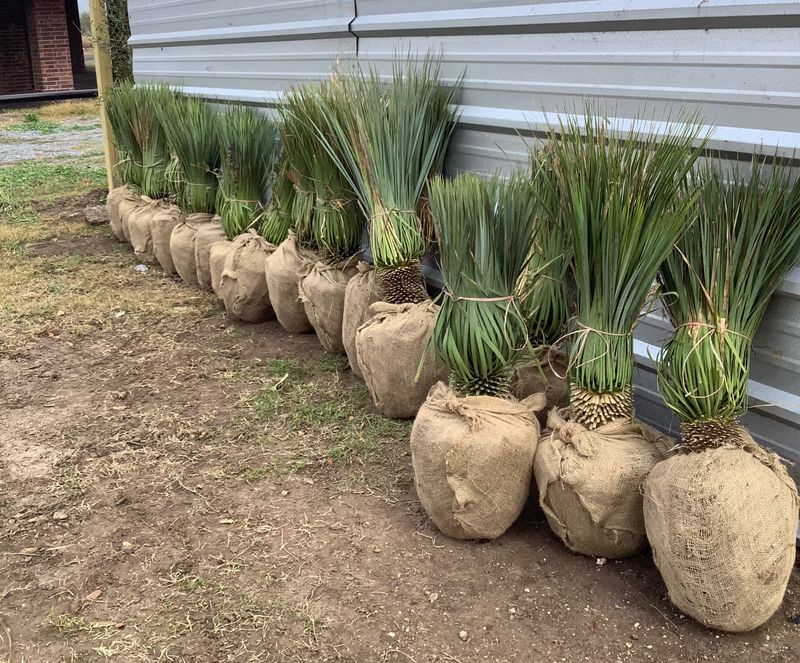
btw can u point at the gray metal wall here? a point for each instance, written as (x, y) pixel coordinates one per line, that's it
(737, 63)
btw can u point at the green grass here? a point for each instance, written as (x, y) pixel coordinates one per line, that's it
(80, 127)
(32, 122)
(24, 182)
(310, 400)
(28, 180)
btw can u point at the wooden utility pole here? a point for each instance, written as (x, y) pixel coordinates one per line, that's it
(105, 79)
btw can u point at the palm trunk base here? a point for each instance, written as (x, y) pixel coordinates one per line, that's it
(594, 409)
(402, 285)
(491, 385)
(701, 435)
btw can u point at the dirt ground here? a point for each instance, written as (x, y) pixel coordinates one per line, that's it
(179, 487)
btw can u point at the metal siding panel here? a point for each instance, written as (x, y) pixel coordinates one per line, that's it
(242, 50)
(735, 62)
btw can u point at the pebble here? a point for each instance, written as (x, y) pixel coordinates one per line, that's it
(463, 635)
(127, 545)
(60, 515)
(433, 597)
(600, 561)
(141, 268)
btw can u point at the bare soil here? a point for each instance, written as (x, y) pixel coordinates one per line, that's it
(176, 486)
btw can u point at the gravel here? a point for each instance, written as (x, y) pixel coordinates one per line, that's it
(24, 145)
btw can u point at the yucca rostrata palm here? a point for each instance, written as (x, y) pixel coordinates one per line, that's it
(150, 135)
(485, 230)
(392, 140)
(120, 105)
(248, 151)
(624, 207)
(330, 220)
(277, 219)
(475, 431)
(622, 210)
(191, 126)
(547, 273)
(721, 513)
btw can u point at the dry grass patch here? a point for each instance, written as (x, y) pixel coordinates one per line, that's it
(53, 114)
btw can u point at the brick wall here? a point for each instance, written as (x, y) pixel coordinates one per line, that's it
(15, 61)
(49, 43)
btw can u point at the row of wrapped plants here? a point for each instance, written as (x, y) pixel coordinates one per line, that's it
(519, 371)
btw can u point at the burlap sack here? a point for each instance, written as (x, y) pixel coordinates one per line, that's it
(127, 207)
(243, 286)
(140, 228)
(216, 264)
(207, 236)
(120, 199)
(162, 224)
(544, 373)
(361, 292)
(283, 269)
(590, 483)
(389, 347)
(322, 292)
(473, 459)
(181, 245)
(722, 526)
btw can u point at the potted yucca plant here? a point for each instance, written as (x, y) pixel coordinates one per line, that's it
(395, 136)
(473, 443)
(338, 222)
(549, 304)
(123, 199)
(248, 150)
(620, 200)
(721, 511)
(156, 217)
(192, 135)
(296, 254)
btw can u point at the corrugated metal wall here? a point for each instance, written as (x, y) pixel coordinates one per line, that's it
(736, 62)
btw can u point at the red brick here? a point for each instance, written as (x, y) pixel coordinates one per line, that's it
(50, 44)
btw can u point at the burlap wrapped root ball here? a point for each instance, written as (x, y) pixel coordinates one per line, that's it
(473, 459)
(722, 525)
(216, 264)
(360, 294)
(389, 347)
(590, 482)
(120, 203)
(284, 268)
(141, 224)
(322, 291)
(243, 284)
(162, 223)
(182, 244)
(546, 374)
(207, 236)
